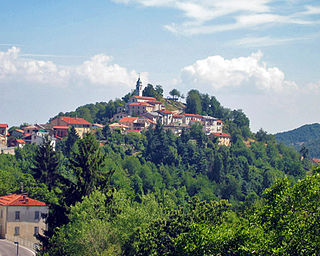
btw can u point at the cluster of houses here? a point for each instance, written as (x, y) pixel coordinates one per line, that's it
(138, 114)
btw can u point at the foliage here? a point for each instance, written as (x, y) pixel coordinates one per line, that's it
(306, 135)
(150, 91)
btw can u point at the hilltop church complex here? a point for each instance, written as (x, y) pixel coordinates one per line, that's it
(138, 114)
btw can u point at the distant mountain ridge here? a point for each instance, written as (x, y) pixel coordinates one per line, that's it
(307, 135)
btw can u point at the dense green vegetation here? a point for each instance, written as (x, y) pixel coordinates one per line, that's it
(156, 193)
(306, 135)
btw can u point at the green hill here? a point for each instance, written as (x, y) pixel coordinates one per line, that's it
(307, 135)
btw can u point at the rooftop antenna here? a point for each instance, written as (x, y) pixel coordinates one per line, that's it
(21, 187)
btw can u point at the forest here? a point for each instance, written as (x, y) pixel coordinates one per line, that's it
(156, 193)
(306, 136)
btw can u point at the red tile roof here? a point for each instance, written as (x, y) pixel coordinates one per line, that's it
(139, 104)
(19, 200)
(316, 160)
(219, 121)
(19, 130)
(166, 111)
(20, 141)
(221, 134)
(72, 120)
(3, 125)
(177, 116)
(128, 119)
(154, 101)
(194, 115)
(145, 98)
(61, 127)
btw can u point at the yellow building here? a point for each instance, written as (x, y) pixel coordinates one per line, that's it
(21, 219)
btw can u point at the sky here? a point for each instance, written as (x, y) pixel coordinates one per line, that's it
(261, 56)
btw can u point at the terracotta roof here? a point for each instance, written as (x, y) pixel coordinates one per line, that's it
(19, 200)
(177, 116)
(194, 115)
(19, 130)
(145, 98)
(154, 101)
(166, 111)
(20, 141)
(72, 120)
(219, 121)
(315, 160)
(3, 125)
(221, 134)
(128, 119)
(139, 104)
(61, 127)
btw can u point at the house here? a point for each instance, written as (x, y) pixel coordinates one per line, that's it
(21, 218)
(223, 138)
(60, 131)
(119, 115)
(81, 126)
(166, 116)
(177, 119)
(14, 142)
(136, 123)
(128, 121)
(33, 128)
(17, 133)
(139, 108)
(3, 135)
(191, 118)
(141, 99)
(157, 105)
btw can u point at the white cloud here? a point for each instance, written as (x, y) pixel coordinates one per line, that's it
(245, 73)
(270, 101)
(230, 14)
(265, 41)
(96, 71)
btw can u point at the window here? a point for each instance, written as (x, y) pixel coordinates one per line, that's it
(36, 215)
(17, 215)
(36, 231)
(16, 231)
(1, 214)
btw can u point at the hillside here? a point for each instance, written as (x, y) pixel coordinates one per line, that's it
(307, 135)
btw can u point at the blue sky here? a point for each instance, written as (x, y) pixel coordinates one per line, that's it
(261, 56)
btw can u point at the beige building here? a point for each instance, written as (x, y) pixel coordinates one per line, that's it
(21, 218)
(81, 126)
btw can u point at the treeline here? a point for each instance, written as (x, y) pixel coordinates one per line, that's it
(306, 136)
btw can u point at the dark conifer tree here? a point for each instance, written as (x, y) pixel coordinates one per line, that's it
(46, 163)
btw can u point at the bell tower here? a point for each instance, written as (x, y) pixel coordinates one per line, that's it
(139, 87)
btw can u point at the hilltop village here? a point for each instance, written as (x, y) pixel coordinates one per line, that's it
(139, 114)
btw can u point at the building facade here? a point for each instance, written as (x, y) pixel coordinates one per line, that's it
(21, 219)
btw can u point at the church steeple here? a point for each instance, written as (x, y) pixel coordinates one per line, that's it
(139, 87)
